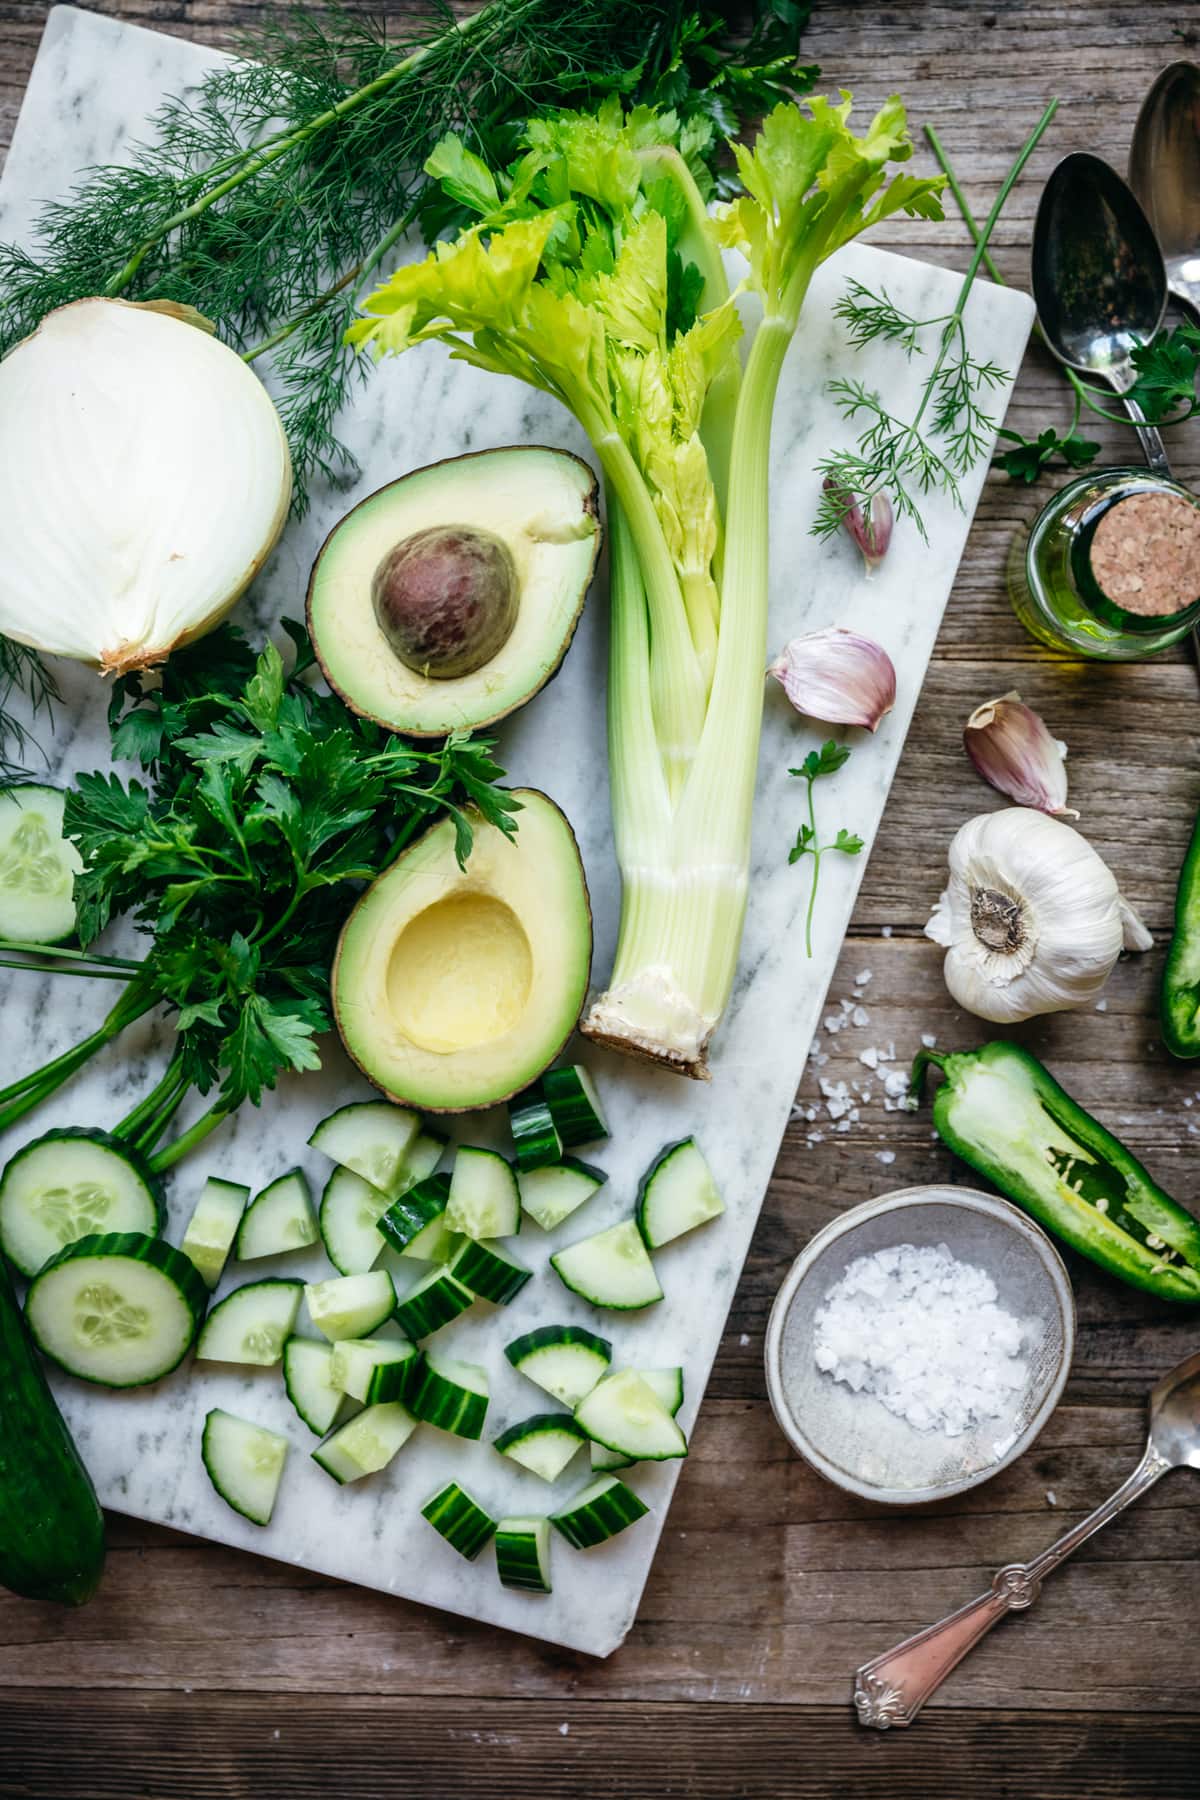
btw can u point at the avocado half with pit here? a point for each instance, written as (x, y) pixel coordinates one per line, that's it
(448, 598)
(454, 988)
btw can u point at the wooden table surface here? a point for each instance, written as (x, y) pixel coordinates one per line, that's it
(199, 1671)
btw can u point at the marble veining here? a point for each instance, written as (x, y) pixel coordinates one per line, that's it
(93, 84)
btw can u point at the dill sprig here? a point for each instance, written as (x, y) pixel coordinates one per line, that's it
(951, 428)
(267, 196)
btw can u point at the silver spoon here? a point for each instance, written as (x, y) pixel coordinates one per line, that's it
(892, 1688)
(1164, 173)
(1099, 281)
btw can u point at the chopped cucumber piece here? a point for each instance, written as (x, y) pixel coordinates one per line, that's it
(484, 1202)
(119, 1310)
(603, 1458)
(71, 1184)
(435, 1244)
(610, 1269)
(435, 1300)
(252, 1324)
(552, 1194)
(460, 1520)
(351, 1306)
(451, 1395)
(307, 1367)
(213, 1226)
(367, 1442)
(625, 1414)
(564, 1360)
(407, 1219)
(373, 1138)
(244, 1463)
(574, 1105)
(667, 1384)
(373, 1369)
(598, 1512)
(677, 1193)
(535, 1136)
(543, 1444)
(523, 1554)
(38, 866)
(425, 1155)
(350, 1212)
(489, 1271)
(279, 1219)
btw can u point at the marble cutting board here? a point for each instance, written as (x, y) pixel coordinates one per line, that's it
(94, 83)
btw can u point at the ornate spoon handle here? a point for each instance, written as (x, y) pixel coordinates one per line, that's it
(892, 1688)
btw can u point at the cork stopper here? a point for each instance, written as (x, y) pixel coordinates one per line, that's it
(1145, 554)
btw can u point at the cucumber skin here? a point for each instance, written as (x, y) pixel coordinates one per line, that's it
(51, 1526)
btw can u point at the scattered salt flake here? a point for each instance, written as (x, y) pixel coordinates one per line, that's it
(869, 1058)
(744, 1339)
(862, 978)
(815, 1137)
(929, 1039)
(1102, 1006)
(1186, 1101)
(845, 1124)
(860, 1017)
(832, 1022)
(563, 1729)
(886, 1157)
(1051, 1497)
(895, 1083)
(885, 931)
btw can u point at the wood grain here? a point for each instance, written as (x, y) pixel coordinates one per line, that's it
(202, 1672)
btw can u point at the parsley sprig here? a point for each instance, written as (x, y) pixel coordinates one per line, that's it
(818, 763)
(267, 806)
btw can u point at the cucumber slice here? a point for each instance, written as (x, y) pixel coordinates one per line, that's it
(552, 1194)
(574, 1105)
(373, 1139)
(252, 1324)
(535, 1136)
(677, 1193)
(435, 1244)
(307, 1366)
(367, 1442)
(38, 866)
(373, 1369)
(118, 1310)
(279, 1219)
(564, 1360)
(543, 1444)
(71, 1184)
(213, 1226)
(598, 1512)
(460, 1520)
(667, 1385)
(523, 1554)
(244, 1463)
(610, 1269)
(349, 1219)
(451, 1395)
(427, 1152)
(625, 1415)
(433, 1302)
(484, 1202)
(489, 1271)
(603, 1458)
(351, 1306)
(406, 1220)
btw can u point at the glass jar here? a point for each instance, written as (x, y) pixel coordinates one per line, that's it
(1053, 579)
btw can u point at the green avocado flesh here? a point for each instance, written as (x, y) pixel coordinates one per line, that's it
(453, 988)
(541, 507)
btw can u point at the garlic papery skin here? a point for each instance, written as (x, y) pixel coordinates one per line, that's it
(1012, 749)
(1031, 920)
(870, 528)
(837, 676)
(144, 479)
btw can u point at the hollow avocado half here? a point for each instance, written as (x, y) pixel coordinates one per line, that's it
(454, 988)
(541, 503)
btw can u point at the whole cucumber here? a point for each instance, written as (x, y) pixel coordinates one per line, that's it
(51, 1526)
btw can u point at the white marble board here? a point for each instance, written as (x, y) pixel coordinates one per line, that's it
(94, 83)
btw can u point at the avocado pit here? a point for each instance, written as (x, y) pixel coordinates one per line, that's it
(446, 599)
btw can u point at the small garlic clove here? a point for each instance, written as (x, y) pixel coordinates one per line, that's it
(1135, 935)
(869, 528)
(837, 676)
(1012, 749)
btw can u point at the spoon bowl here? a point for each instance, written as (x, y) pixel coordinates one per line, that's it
(1175, 1415)
(1164, 173)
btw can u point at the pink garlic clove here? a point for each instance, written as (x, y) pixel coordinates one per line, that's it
(1012, 749)
(837, 676)
(871, 529)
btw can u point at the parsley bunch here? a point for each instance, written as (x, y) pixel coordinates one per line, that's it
(268, 805)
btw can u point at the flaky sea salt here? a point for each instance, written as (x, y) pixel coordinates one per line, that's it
(922, 1332)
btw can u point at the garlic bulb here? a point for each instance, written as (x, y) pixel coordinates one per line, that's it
(837, 676)
(1013, 749)
(144, 479)
(1032, 920)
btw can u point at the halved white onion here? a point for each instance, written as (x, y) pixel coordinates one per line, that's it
(144, 479)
